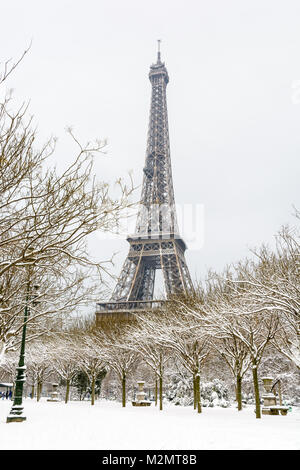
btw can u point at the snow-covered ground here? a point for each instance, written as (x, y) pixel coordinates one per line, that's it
(106, 425)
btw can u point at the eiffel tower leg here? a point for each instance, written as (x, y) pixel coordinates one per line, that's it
(175, 271)
(172, 274)
(143, 286)
(124, 284)
(186, 275)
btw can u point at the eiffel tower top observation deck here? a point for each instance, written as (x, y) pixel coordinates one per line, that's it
(156, 243)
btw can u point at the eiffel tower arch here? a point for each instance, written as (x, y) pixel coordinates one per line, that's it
(156, 243)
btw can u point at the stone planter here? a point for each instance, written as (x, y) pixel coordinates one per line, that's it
(268, 397)
(54, 393)
(267, 382)
(270, 406)
(140, 396)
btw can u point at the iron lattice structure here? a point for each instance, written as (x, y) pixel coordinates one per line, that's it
(156, 243)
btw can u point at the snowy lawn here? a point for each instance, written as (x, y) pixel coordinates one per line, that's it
(108, 426)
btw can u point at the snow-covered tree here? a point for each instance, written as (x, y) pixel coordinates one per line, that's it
(122, 359)
(272, 282)
(185, 336)
(90, 355)
(39, 367)
(63, 360)
(46, 217)
(239, 316)
(224, 340)
(8, 368)
(140, 339)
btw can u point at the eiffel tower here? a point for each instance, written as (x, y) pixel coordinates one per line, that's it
(156, 243)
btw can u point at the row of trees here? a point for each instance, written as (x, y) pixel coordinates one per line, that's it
(236, 318)
(237, 315)
(80, 356)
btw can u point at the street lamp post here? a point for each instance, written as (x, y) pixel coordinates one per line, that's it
(16, 413)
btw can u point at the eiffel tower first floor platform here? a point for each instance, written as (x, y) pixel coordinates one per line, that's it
(134, 291)
(120, 311)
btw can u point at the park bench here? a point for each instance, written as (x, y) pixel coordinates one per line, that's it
(275, 409)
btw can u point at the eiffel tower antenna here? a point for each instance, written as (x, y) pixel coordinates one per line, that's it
(158, 50)
(156, 243)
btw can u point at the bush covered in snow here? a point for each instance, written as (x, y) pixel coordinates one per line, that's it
(214, 393)
(180, 392)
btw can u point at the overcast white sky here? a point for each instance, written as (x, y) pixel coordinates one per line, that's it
(233, 99)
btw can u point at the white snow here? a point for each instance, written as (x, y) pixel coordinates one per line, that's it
(107, 425)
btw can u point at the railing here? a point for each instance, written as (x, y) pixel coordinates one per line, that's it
(128, 306)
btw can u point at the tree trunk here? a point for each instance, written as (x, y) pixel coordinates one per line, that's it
(124, 391)
(195, 391)
(256, 389)
(67, 391)
(32, 391)
(279, 393)
(156, 390)
(160, 392)
(198, 395)
(39, 391)
(93, 391)
(239, 392)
